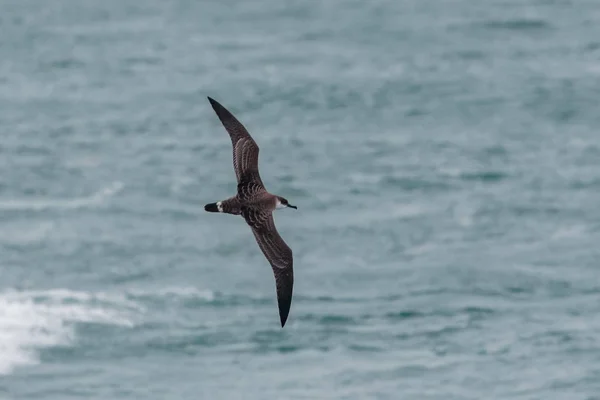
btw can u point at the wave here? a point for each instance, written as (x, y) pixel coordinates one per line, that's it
(33, 320)
(61, 204)
(180, 293)
(517, 24)
(25, 233)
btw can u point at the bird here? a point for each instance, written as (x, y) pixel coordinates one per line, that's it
(256, 205)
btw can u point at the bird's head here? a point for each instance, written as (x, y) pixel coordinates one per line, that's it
(283, 203)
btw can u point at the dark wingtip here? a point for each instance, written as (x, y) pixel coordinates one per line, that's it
(284, 310)
(221, 111)
(215, 104)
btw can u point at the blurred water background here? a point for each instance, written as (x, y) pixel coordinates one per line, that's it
(444, 156)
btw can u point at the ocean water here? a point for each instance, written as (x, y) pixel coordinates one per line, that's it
(444, 156)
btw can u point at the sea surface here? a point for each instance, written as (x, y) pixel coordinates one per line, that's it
(444, 156)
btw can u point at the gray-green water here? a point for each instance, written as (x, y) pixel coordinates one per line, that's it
(444, 156)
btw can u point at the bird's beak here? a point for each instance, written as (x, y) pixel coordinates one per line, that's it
(291, 206)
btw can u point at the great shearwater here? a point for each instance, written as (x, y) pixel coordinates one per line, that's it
(256, 205)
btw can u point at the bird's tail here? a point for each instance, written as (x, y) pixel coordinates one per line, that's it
(229, 206)
(213, 207)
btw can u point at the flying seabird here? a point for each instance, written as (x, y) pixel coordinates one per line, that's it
(256, 205)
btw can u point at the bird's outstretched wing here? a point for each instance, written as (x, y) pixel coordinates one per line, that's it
(277, 253)
(245, 149)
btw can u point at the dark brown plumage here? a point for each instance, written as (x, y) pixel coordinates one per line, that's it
(256, 205)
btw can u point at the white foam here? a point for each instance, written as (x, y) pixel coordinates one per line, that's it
(421, 249)
(23, 233)
(408, 210)
(569, 232)
(80, 202)
(176, 292)
(33, 320)
(464, 214)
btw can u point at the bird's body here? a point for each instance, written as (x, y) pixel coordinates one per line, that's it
(256, 205)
